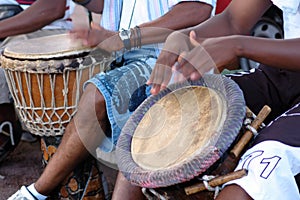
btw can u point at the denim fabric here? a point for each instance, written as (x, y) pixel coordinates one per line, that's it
(123, 87)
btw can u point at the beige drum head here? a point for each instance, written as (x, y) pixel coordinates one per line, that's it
(48, 47)
(178, 126)
(178, 134)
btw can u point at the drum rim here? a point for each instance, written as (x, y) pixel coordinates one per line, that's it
(167, 177)
(11, 52)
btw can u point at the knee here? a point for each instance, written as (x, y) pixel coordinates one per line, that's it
(92, 98)
(92, 104)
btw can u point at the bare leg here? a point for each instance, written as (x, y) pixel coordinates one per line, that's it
(233, 192)
(125, 190)
(83, 134)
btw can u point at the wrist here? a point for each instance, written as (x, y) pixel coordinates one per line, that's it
(239, 47)
(130, 38)
(125, 38)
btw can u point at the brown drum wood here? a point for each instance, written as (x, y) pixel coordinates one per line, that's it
(46, 77)
(85, 181)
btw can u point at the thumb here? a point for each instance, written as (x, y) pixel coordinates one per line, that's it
(193, 38)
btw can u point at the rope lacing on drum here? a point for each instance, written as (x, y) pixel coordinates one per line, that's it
(247, 123)
(206, 179)
(156, 194)
(253, 130)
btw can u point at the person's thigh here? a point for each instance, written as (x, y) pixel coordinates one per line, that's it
(122, 89)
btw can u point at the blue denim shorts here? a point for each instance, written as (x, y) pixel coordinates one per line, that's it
(124, 89)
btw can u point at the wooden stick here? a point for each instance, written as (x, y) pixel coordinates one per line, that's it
(215, 181)
(237, 149)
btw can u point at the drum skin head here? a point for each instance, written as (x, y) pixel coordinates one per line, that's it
(178, 134)
(47, 47)
(178, 126)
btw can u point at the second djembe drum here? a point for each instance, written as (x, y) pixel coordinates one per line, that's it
(46, 77)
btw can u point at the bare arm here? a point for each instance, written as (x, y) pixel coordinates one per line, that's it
(238, 18)
(277, 53)
(220, 41)
(38, 15)
(182, 15)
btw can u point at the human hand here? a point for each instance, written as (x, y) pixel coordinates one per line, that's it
(196, 57)
(212, 53)
(175, 44)
(98, 36)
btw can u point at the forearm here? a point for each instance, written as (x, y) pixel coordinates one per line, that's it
(183, 15)
(35, 17)
(276, 53)
(231, 21)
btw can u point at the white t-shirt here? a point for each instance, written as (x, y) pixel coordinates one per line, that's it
(64, 23)
(119, 14)
(291, 17)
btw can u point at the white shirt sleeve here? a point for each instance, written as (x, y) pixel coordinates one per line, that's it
(291, 17)
(291, 5)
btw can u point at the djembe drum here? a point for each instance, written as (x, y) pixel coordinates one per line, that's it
(46, 76)
(181, 133)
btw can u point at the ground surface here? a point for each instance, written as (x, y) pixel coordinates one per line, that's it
(21, 167)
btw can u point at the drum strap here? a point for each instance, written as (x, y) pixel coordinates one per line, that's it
(206, 179)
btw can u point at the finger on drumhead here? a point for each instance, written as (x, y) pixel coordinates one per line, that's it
(158, 74)
(159, 79)
(156, 88)
(177, 77)
(193, 38)
(195, 76)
